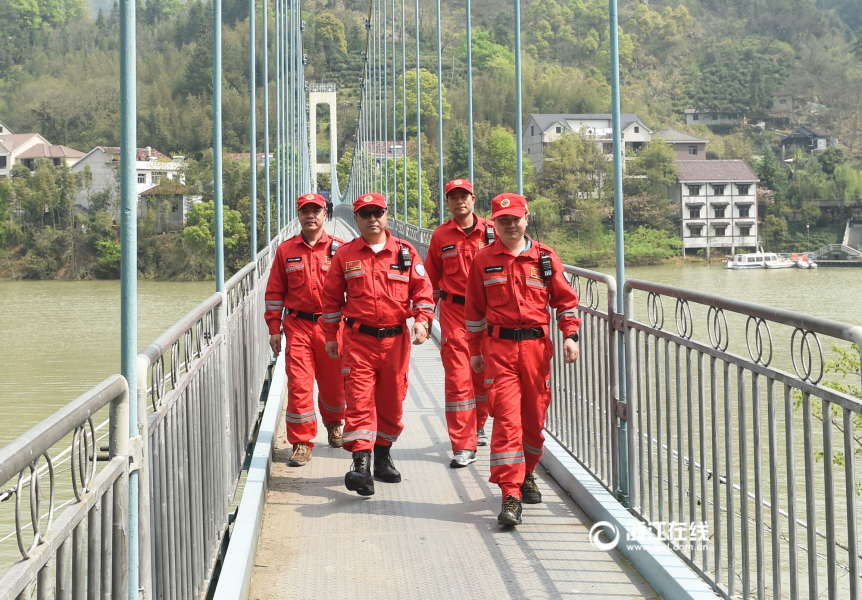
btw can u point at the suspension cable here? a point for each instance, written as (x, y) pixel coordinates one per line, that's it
(418, 119)
(439, 113)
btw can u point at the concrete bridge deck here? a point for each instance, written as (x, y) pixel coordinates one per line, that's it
(434, 535)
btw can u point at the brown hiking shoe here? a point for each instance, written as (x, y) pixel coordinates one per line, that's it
(530, 493)
(335, 433)
(301, 455)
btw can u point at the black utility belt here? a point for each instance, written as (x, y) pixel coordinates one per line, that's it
(517, 334)
(456, 299)
(380, 334)
(313, 317)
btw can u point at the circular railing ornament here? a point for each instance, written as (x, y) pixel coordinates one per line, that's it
(35, 506)
(683, 318)
(806, 361)
(655, 310)
(716, 328)
(188, 347)
(592, 294)
(576, 284)
(175, 363)
(84, 468)
(757, 352)
(199, 338)
(157, 381)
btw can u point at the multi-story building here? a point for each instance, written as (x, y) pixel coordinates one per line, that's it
(712, 117)
(685, 145)
(152, 167)
(718, 204)
(541, 130)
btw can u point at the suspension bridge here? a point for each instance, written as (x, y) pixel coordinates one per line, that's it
(694, 450)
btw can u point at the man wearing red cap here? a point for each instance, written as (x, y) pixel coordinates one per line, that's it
(450, 254)
(296, 283)
(509, 288)
(381, 276)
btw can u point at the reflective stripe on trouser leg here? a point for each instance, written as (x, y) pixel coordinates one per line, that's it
(299, 364)
(482, 395)
(519, 371)
(460, 395)
(375, 385)
(330, 383)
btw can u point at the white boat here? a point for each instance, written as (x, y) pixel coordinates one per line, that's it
(805, 262)
(757, 260)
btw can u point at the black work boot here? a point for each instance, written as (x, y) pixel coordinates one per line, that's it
(511, 513)
(359, 478)
(530, 493)
(384, 468)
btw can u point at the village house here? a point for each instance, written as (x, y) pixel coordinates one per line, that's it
(694, 116)
(717, 204)
(811, 140)
(541, 130)
(28, 148)
(152, 170)
(685, 145)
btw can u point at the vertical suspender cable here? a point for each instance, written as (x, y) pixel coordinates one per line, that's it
(623, 492)
(252, 126)
(378, 99)
(439, 113)
(404, 102)
(394, 120)
(385, 75)
(266, 116)
(418, 119)
(518, 109)
(279, 163)
(129, 265)
(469, 95)
(289, 147)
(217, 148)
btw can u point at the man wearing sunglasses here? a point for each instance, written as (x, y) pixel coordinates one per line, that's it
(450, 254)
(296, 283)
(384, 281)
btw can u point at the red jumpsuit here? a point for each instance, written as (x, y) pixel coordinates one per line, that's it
(450, 255)
(375, 367)
(507, 292)
(296, 283)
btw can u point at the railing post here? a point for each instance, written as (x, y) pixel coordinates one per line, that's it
(145, 568)
(119, 446)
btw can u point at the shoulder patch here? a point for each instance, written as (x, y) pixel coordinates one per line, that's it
(353, 265)
(294, 259)
(420, 270)
(497, 269)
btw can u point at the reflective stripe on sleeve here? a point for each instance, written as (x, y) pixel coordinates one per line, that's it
(425, 306)
(561, 314)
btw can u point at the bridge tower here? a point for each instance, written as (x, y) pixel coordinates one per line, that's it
(321, 93)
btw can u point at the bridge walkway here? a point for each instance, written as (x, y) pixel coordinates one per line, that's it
(433, 535)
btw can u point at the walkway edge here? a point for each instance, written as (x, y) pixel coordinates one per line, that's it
(669, 576)
(238, 566)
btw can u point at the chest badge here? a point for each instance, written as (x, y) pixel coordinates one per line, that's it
(352, 265)
(534, 273)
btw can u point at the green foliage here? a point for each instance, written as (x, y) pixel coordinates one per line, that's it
(458, 160)
(429, 203)
(495, 164)
(428, 101)
(575, 171)
(108, 258)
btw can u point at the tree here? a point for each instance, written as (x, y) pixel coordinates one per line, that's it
(575, 172)
(773, 175)
(831, 159)
(330, 34)
(200, 231)
(428, 97)
(458, 162)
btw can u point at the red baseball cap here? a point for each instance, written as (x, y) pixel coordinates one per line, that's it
(372, 199)
(508, 204)
(315, 199)
(459, 184)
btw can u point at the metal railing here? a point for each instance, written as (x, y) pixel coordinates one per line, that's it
(832, 249)
(583, 395)
(82, 550)
(204, 410)
(714, 435)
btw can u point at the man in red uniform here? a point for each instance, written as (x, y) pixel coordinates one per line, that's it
(296, 284)
(509, 288)
(381, 276)
(450, 254)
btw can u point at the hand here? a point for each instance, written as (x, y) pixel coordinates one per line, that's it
(275, 343)
(477, 363)
(420, 333)
(570, 350)
(332, 350)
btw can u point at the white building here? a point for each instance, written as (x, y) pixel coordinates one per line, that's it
(718, 204)
(712, 117)
(541, 130)
(153, 168)
(27, 148)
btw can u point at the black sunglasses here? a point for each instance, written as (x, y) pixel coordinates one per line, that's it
(367, 214)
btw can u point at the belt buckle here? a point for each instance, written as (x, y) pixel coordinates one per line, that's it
(517, 334)
(381, 334)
